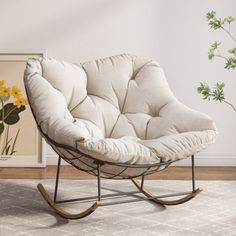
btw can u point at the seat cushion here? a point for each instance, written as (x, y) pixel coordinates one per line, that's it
(179, 146)
(122, 150)
(137, 151)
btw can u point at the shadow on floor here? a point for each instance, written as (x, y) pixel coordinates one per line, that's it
(21, 199)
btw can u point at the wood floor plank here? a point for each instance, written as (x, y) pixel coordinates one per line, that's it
(68, 172)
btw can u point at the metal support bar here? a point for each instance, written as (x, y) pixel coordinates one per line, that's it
(139, 198)
(193, 173)
(127, 194)
(99, 182)
(57, 178)
(142, 182)
(107, 196)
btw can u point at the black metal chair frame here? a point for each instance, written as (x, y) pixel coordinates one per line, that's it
(71, 154)
(101, 199)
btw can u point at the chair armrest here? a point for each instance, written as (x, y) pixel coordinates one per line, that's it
(186, 119)
(65, 132)
(50, 108)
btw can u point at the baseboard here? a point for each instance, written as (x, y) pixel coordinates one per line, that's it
(212, 161)
(52, 160)
(224, 161)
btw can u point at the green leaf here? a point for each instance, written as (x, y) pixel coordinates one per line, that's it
(215, 45)
(210, 15)
(11, 113)
(215, 23)
(229, 19)
(4, 98)
(1, 128)
(220, 85)
(211, 54)
(232, 51)
(218, 95)
(205, 90)
(231, 63)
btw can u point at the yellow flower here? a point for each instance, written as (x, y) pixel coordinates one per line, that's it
(4, 91)
(2, 82)
(20, 102)
(16, 92)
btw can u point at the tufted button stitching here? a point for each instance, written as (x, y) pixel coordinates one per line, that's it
(153, 111)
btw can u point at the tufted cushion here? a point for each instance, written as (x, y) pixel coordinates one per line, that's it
(118, 109)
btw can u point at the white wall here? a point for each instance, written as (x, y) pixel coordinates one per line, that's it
(186, 41)
(173, 32)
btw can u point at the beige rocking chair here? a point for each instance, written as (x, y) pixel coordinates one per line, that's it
(114, 118)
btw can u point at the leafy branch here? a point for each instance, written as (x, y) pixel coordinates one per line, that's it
(217, 92)
(217, 23)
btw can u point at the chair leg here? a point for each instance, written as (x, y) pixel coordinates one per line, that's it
(169, 202)
(99, 181)
(57, 178)
(53, 203)
(193, 172)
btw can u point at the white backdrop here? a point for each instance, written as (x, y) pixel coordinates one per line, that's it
(173, 32)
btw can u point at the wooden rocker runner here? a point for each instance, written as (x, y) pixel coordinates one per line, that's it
(115, 118)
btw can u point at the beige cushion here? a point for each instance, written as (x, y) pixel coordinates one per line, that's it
(119, 109)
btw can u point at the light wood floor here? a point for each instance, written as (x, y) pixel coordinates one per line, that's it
(67, 172)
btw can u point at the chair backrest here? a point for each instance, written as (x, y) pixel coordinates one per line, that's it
(113, 97)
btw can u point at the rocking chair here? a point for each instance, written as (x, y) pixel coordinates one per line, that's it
(114, 118)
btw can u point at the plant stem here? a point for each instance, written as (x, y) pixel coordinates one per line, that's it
(6, 148)
(6, 140)
(2, 109)
(230, 104)
(14, 142)
(228, 32)
(0, 140)
(7, 134)
(2, 119)
(219, 55)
